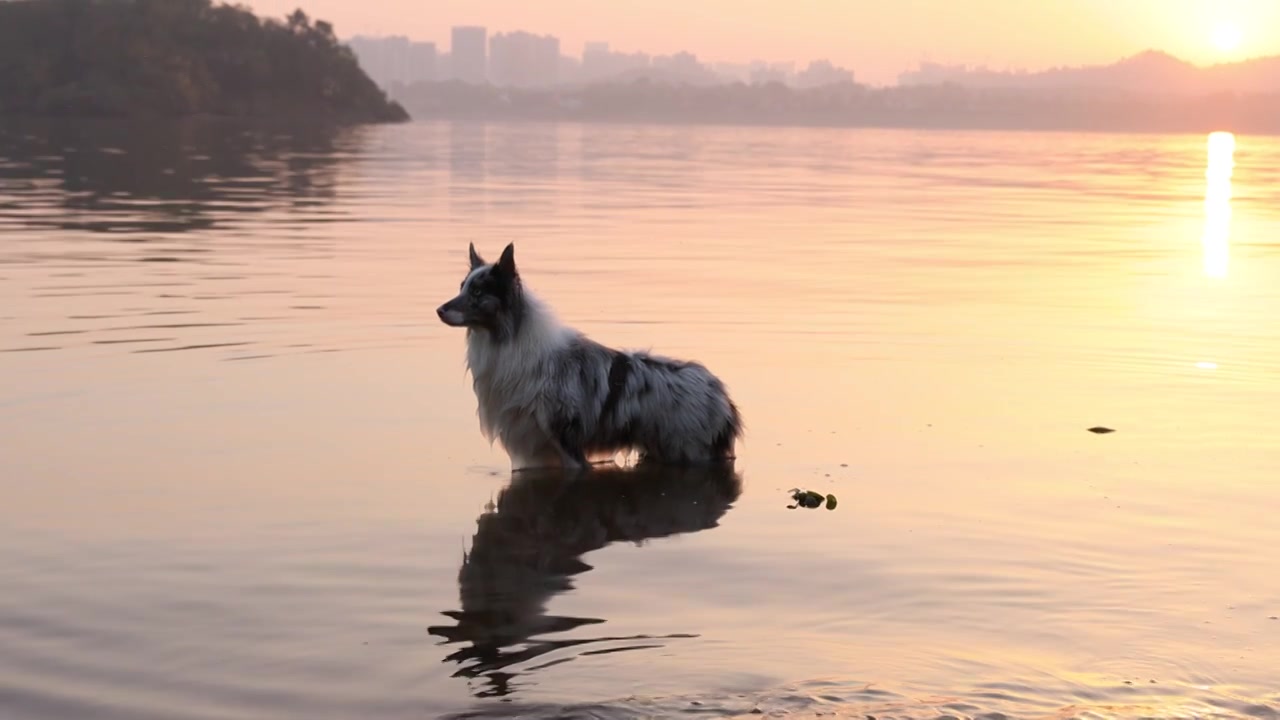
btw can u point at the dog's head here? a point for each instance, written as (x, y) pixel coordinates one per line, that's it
(490, 294)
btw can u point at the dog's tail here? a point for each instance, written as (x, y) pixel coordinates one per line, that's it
(723, 442)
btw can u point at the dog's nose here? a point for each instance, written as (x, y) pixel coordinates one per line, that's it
(440, 312)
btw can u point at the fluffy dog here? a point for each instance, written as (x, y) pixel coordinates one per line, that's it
(556, 398)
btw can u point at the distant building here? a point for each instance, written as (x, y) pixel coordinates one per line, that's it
(546, 60)
(733, 72)
(682, 63)
(468, 55)
(684, 67)
(600, 63)
(821, 73)
(980, 76)
(570, 69)
(395, 60)
(596, 61)
(763, 73)
(421, 62)
(930, 73)
(521, 59)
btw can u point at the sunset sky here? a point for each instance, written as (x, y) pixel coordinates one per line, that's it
(877, 40)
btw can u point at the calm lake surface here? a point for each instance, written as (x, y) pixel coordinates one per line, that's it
(241, 474)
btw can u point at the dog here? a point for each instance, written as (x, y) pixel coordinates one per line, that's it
(556, 398)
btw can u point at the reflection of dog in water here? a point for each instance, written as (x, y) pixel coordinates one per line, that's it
(528, 548)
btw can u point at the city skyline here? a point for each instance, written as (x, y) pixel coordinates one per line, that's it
(521, 59)
(877, 41)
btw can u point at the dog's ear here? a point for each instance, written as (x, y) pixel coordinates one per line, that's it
(507, 263)
(476, 260)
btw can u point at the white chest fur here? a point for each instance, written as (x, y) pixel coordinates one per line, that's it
(509, 379)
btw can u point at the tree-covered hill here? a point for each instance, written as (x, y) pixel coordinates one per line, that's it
(178, 58)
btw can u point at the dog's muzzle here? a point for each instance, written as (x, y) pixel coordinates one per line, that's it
(450, 315)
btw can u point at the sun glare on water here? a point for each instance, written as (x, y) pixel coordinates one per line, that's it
(1226, 37)
(1217, 204)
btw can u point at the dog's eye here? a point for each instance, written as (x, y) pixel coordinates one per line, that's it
(475, 292)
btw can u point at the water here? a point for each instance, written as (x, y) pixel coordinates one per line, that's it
(241, 468)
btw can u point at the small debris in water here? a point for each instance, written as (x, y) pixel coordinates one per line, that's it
(1100, 430)
(805, 498)
(811, 500)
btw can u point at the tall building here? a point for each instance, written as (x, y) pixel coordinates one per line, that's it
(521, 59)
(595, 61)
(546, 60)
(421, 62)
(570, 70)
(467, 54)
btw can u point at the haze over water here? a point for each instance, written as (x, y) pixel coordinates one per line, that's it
(241, 466)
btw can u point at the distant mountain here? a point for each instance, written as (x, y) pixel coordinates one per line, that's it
(1151, 72)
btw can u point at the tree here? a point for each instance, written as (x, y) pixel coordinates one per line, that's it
(175, 58)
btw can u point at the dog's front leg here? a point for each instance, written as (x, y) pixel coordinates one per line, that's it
(569, 444)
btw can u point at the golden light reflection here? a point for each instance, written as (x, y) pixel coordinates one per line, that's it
(1217, 204)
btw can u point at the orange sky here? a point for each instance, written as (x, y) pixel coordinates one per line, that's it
(875, 39)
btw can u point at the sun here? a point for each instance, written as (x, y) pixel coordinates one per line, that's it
(1226, 37)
